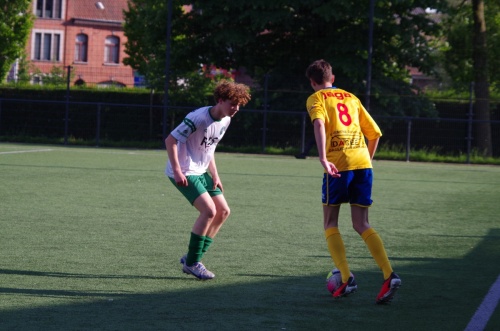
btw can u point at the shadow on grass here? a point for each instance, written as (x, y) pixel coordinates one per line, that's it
(76, 275)
(437, 294)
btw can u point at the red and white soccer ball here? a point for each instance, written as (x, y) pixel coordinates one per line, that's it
(334, 280)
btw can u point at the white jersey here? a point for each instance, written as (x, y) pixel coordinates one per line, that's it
(197, 136)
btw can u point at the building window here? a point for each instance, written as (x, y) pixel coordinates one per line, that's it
(111, 50)
(47, 46)
(81, 46)
(49, 8)
(36, 80)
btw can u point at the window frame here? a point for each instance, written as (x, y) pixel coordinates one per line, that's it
(81, 48)
(112, 50)
(39, 50)
(50, 9)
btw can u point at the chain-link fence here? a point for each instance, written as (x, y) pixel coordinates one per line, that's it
(95, 123)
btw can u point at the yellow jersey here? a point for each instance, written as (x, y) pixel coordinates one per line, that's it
(347, 123)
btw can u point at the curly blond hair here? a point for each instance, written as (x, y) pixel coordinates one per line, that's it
(234, 92)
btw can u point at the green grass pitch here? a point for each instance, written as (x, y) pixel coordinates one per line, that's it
(90, 239)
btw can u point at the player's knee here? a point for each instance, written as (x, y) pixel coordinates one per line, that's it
(210, 212)
(224, 212)
(360, 228)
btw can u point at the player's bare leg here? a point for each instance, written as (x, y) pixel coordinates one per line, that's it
(331, 216)
(208, 210)
(336, 248)
(221, 215)
(359, 217)
(214, 211)
(376, 247)
(191, 263)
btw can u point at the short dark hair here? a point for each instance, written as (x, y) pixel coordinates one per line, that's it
(319, 71)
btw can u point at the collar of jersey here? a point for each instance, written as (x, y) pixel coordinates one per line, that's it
(209, 113)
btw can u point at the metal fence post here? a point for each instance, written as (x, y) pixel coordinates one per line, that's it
(370, 55)
(66, 116)
(98, 125)
(266, 106)
(469, 123)
(408, 139)
(167, 70)
(0, 116)
(303, 137)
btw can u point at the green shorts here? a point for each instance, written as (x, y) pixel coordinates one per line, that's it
(197, 185)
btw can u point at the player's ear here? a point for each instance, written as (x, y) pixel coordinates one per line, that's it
(333, 78)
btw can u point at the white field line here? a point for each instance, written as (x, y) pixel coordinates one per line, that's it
(486, 309)
(28, 151)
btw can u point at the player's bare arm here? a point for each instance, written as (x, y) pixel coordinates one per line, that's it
(372, 147)
(319, 134)
(171, 145)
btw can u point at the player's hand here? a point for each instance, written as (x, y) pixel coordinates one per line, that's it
(217, 183)
(180, 179)
(331, 169)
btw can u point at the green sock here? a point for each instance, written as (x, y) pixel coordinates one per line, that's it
(195, 251)
(206, 244)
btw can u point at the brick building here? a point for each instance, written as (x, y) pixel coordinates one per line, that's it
(84, 34)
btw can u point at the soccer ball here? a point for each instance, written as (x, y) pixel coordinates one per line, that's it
(334, 280)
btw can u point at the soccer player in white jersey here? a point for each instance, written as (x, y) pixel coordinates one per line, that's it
(190, 147)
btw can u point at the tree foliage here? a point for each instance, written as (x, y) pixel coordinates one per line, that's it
(15, 25)
(473, 56)
(146, 30)
(458, 55)
(278, 39)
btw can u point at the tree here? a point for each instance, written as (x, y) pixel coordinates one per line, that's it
(145, 28)
(15, 25)
(481, 86)
(473, 55)
(458, 55)
(276, 40)
(146, 31)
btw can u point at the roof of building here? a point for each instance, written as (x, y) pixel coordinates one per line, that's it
(103, 10)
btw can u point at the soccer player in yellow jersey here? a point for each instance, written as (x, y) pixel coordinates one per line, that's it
(341, 128)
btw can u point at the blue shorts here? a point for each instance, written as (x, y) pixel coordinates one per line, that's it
(354, 187)
(197, 185)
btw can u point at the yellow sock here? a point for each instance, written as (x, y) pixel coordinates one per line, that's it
(376, 247)
(337, 252)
